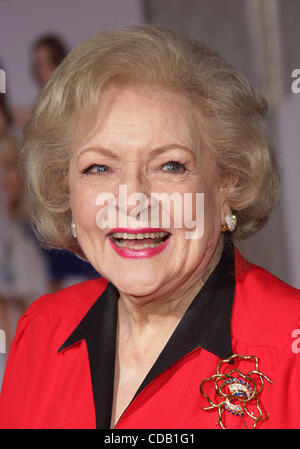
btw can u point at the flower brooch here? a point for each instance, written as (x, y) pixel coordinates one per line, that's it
(239, 393)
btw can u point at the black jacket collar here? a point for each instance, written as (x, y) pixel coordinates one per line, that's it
(205, 324)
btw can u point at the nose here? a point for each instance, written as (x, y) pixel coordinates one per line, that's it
(134, 191)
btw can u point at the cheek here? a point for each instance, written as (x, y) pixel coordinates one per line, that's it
(84, 208)
(212, 208)
(205, 208)
(187, 204)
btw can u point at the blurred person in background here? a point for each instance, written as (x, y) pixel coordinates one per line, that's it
(21, 281)
(47, 53)
(11, 120)
(23, 268)
(6, 118)
(7, 115)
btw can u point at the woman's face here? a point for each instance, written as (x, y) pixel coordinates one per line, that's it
(148, 140)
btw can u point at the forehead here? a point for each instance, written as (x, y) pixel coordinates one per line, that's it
(42, 52)
(142, 115)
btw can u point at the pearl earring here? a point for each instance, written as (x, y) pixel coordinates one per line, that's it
(73, 229)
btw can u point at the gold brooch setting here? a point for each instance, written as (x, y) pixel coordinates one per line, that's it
(237, 391)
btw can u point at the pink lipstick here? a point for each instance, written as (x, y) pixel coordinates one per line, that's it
(138, 243)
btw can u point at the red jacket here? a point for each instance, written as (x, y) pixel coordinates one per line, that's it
(59, 372)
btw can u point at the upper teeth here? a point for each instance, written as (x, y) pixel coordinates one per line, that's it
(127, 235)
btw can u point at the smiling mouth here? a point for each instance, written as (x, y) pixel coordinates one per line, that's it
(140, 240)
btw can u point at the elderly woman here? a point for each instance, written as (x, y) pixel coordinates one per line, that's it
(180, 331)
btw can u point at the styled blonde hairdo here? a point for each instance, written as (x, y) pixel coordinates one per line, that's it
(231, 112)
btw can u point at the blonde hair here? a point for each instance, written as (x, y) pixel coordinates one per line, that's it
(231, 111)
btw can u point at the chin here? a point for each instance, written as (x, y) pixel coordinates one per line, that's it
(136, 284)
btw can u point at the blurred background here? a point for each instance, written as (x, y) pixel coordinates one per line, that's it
(260, 37)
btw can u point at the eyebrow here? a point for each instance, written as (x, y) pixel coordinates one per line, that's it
(154, 152)
(98, 149)
(172, 146)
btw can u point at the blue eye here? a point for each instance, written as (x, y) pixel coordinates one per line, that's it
(96, 169)
(173, 166)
